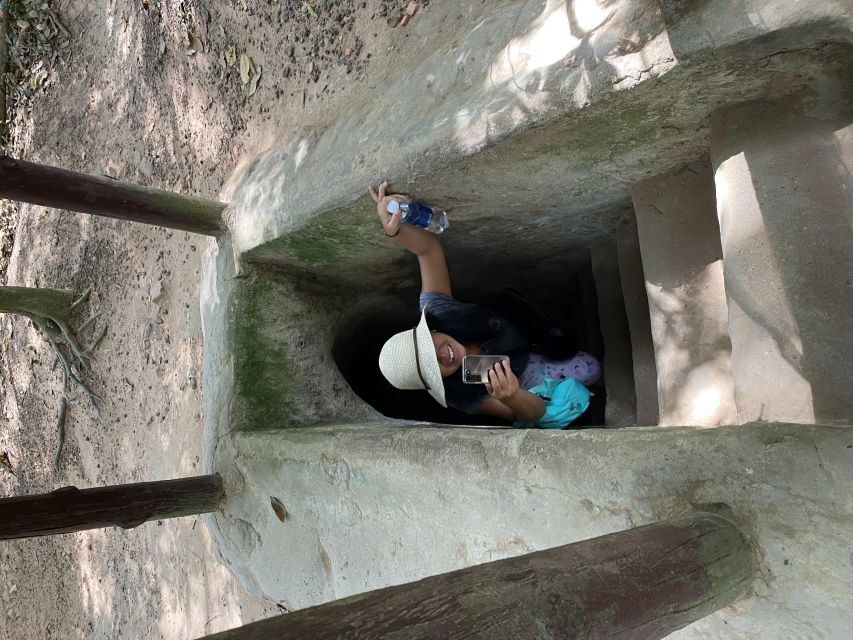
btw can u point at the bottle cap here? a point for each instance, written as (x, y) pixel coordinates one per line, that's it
(393, 207)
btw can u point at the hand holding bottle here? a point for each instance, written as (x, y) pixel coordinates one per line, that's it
(390, 222)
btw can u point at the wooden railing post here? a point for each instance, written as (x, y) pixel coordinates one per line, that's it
(640, 584)
(62, 189)
(126, 505)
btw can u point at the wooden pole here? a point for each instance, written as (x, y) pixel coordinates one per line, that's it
(127, 505)
(639, 584)
(62, 189)
(29, 301)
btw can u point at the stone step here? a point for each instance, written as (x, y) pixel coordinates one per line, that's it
(785, 208)
(637, 312)
(683, 269)
(621, 407)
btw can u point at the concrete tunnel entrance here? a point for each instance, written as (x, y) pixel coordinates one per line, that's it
(562, 291)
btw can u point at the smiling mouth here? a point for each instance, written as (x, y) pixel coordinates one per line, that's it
(452, 354)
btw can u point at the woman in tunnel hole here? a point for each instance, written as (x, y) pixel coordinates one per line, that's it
(430, 355)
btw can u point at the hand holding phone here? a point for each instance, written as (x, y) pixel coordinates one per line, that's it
(502, 384)
(475, 369)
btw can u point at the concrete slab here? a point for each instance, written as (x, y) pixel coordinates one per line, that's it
(539, 115)
(683, 268)
(637, 310)
(621, 408)
(371, 507)
(785, 205)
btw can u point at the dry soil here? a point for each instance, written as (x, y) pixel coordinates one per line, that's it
(147, 91)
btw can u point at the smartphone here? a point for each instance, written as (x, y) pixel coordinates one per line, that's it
(475, 369)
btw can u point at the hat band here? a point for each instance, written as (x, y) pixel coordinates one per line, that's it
(418, 360)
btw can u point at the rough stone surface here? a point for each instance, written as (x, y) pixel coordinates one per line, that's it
(683, 267)
(371, 507)
(268, 349)
(637, 311)
(621, 408)
(529, 122)
(785, 205)
(546, 116)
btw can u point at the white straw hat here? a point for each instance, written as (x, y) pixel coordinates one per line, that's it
(408, 361)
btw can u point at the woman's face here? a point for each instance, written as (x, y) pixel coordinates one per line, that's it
(449, 353)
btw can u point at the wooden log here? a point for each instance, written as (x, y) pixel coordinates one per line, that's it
(639, 584)
(127, 505)
(62, 189)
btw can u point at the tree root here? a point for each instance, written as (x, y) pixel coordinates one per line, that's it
(58, 331)
(60, 431)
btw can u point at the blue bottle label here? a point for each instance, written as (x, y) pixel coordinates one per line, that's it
(419, 214)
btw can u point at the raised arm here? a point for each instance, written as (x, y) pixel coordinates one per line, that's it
(425, 245)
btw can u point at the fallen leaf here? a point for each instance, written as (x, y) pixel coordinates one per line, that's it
(253, 85)
(393, 21)
(230, 56)
(245, 68)
(195, 45)
(280, 511)
(310, 10)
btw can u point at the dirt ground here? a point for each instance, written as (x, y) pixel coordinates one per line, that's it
(133, 95)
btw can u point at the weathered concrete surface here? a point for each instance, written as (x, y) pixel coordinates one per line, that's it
(637, 311)
(542, 113)
(621, 408)
(268, 341)
(785, 205)
(683, 267)
(371, 507)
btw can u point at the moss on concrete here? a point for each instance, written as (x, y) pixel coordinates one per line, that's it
(264, 381)
(331, 238)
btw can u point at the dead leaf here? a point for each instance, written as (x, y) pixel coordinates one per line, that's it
(195, 45)
(412, 9)
(6, 462)
(245, 68)
(310, 10)
(393, 21)
(280, 511)
(230, 56)
(253, 85)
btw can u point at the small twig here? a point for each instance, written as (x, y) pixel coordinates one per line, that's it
(80, 300)
(89, 322)
(95, 341)
(60, 430)
(59, 24)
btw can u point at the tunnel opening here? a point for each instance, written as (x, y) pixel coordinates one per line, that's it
(560, 290)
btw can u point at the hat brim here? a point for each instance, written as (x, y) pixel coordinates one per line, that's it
(428, 360)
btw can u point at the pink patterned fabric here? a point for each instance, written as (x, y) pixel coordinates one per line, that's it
(583, 367)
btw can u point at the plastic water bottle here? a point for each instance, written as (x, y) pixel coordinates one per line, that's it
(420, 215)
